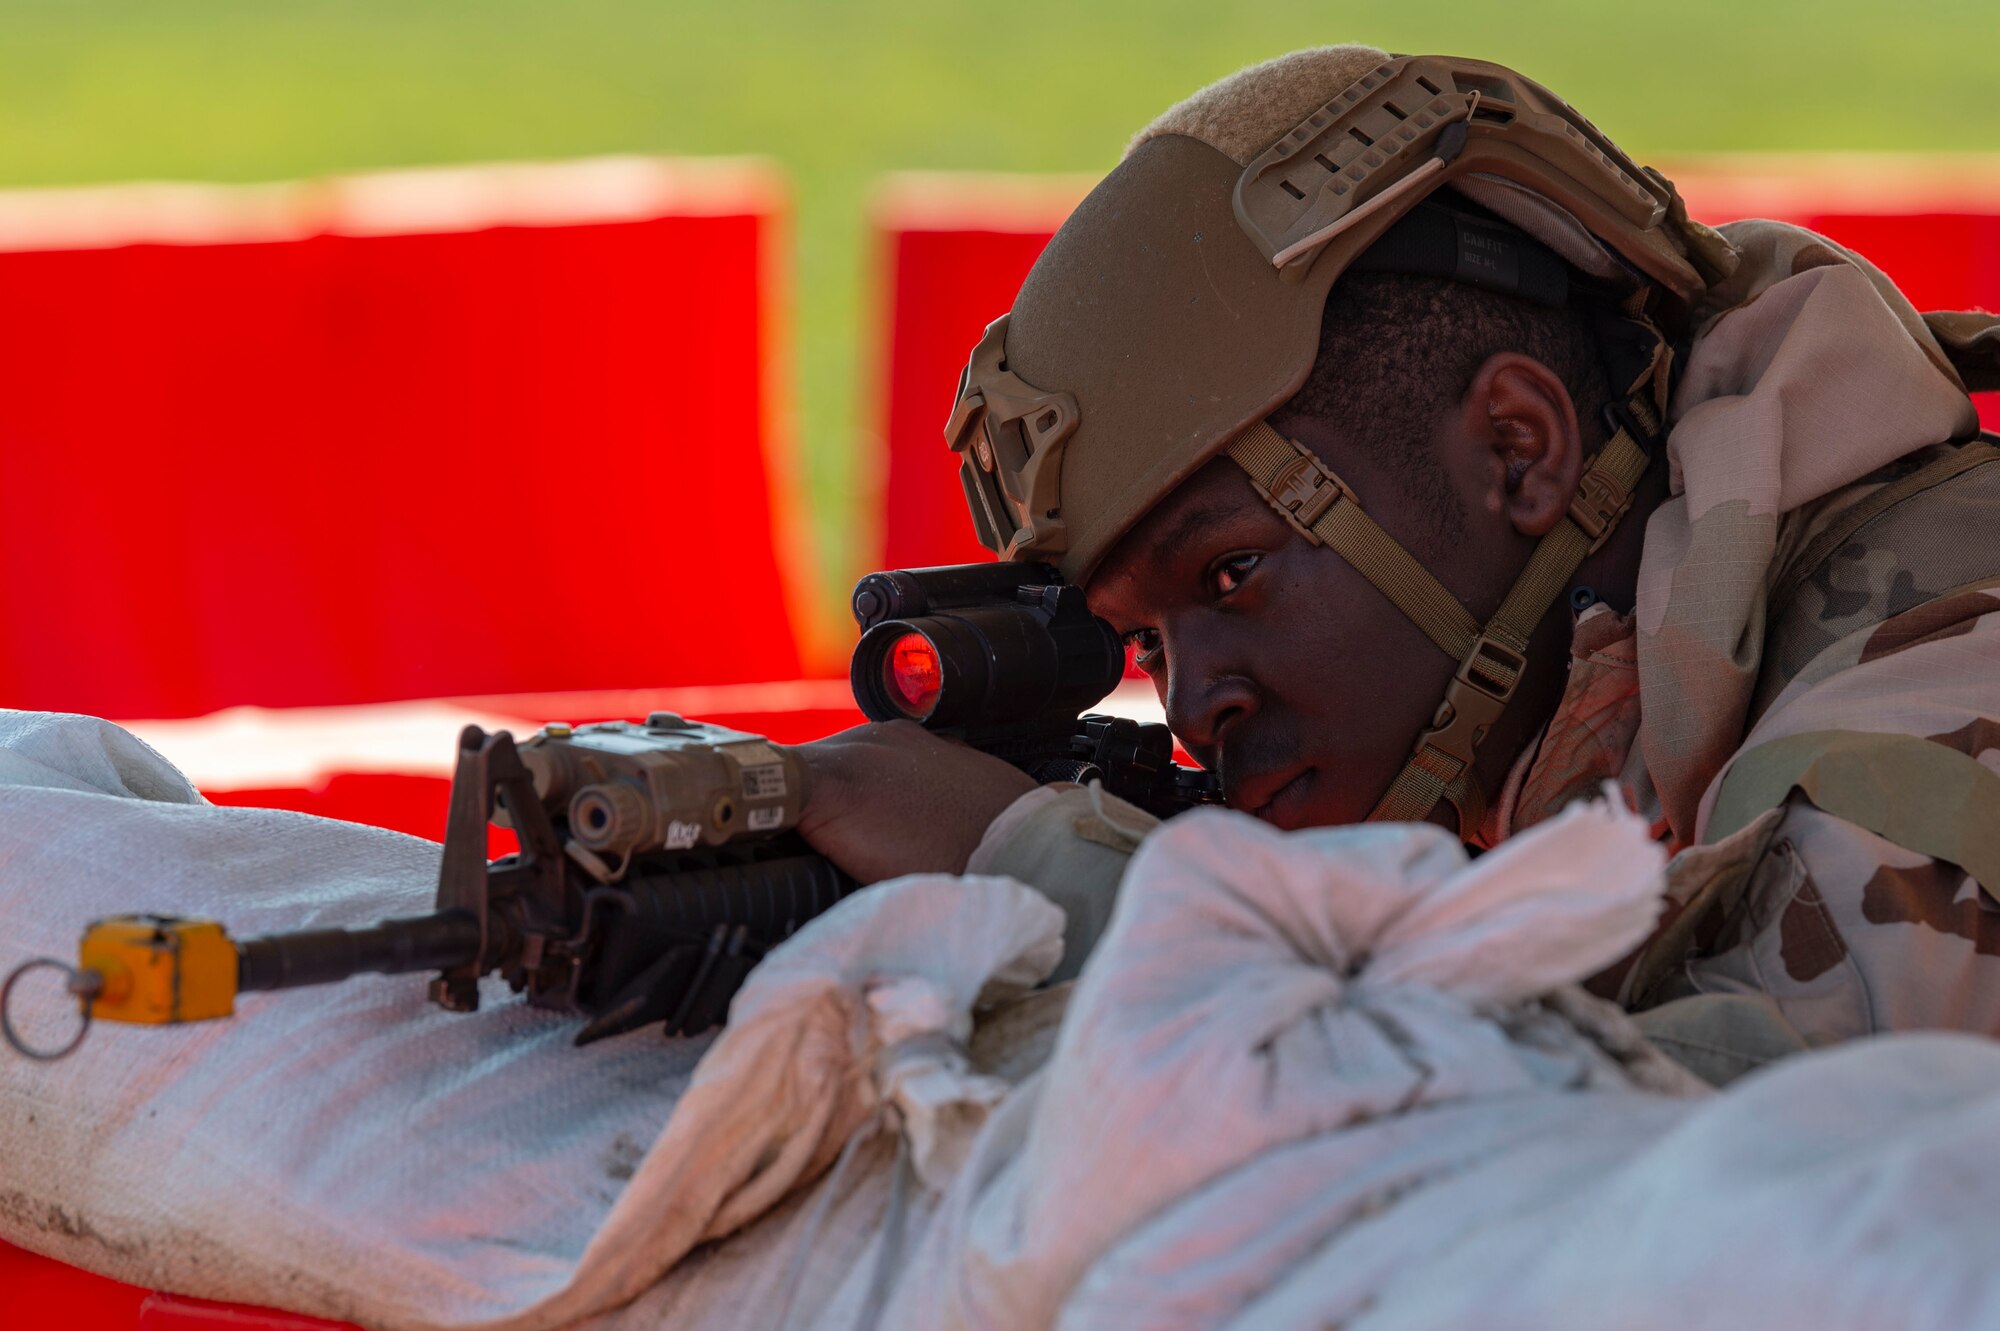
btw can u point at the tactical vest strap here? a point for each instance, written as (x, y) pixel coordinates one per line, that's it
(1491, 660)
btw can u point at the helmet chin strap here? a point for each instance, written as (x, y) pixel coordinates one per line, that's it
(1492, 658)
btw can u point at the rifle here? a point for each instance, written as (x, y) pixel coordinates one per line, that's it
(659, 861)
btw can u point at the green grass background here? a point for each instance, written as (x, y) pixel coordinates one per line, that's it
(841, 92)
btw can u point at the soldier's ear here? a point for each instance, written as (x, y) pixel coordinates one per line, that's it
(1528, 451)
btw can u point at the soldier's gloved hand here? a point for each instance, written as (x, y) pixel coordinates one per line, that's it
(891, 798)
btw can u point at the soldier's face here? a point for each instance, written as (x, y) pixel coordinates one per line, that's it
(1291, 675)
(1280, 667)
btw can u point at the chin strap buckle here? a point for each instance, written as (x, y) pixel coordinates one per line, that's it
(1474, 699)
(1441, 766)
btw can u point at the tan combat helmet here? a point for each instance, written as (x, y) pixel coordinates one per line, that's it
(1180, 305)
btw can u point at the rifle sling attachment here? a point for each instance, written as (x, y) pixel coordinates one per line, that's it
(1491, 659)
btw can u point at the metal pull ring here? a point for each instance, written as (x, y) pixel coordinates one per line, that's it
(83, 984)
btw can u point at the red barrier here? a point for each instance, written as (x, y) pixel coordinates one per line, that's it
(958, 247)
(171, 1312)
(40, 1294)
(389, 437)
(954, 250)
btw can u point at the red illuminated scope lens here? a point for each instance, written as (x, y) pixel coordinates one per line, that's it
(913, 674)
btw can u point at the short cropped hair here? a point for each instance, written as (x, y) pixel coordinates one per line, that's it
(1396, 352)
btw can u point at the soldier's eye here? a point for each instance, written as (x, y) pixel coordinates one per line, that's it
(1228, 574)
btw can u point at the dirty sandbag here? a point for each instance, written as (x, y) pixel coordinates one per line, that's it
(1259, 988)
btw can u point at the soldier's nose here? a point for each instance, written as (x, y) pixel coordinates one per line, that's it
(1201, 709)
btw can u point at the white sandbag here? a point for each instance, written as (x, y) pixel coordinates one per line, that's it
(1847, 1190)
(356, 1153)
(867, 1009)
(1340, 1078)
(1246, 1249)
(1257, 989)
(814, 1261)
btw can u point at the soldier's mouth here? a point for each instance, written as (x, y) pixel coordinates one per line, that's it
(1285, 807)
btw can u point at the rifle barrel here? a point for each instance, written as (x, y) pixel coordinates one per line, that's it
(326, 956)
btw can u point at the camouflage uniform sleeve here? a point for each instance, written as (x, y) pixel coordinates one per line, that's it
(1848, 934)
(1869, 905)
(1072, 845)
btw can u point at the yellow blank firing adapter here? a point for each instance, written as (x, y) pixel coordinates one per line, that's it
(146, 969)
(149, 970)
(156, 969)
